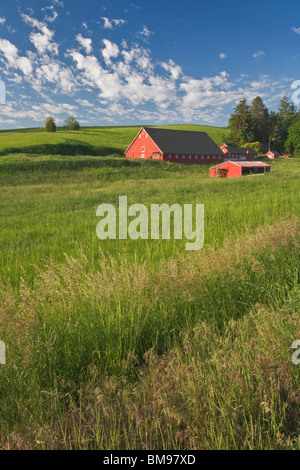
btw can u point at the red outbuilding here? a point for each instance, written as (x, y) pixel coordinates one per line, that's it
(236, 169)
(272, 155)
(174, 146)
(238, 153)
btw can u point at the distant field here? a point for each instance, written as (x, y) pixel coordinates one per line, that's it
(99, 141)
(140, 344)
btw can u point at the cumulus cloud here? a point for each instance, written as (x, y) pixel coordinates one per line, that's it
(259, 54)
(109, 24)
(11, 54)
(52, 18)
(86, 43)
(54, 72)
(2, 20)
(110, 50)
(296, 30)
(172, 68)
(43, 41)
(145, 33)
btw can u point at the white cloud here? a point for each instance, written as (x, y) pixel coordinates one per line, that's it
(2, 20)
(11, 54)
(175, 70)
(108, 83)
(110, 50)
(54, 72)
(86, 43)
(296, 30)
(145, 33)
(43, 40)
(51, 19)
(223, 55)
(259, 54)
(108, 24)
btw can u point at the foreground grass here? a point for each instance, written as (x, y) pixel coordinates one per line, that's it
(87, 373)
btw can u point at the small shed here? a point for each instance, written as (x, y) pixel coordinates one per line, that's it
(272, 155)
(237, 169)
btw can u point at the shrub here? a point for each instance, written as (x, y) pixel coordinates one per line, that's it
(50, 125)
(72, 124)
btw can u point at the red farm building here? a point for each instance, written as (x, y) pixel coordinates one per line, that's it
(236, 169)
(272, 155)
(238, 153)
(174, 146)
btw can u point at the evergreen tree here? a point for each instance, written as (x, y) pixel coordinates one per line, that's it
(259, 120)
(273, 129)
(286, 107)
(240, 124)
(293, 142)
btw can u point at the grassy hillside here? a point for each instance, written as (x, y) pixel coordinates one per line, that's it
(141, 344)
(88, 141)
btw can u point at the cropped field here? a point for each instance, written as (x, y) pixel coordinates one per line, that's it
(140, 344)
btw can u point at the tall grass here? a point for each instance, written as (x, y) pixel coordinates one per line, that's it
(80, 327)
(140, 344)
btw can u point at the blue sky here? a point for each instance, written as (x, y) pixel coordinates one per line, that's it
(138, 62)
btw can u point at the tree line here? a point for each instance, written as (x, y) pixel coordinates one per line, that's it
(255, 126)
(70, 124)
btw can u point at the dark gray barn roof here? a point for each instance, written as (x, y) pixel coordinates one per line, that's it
(183, 142)
(241, 150)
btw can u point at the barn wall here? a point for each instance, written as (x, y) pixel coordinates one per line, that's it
(187, 158)
(234, 171)
(143, 147)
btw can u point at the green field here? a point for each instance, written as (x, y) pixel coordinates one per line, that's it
(141, 344)
(98, 141)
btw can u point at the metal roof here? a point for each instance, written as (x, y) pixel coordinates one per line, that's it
(251, 164)
(183, 142)
(245, 164)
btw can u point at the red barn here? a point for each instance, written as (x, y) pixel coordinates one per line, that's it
(273, 155)
(174, 146)
(236, 169)
(238, 153)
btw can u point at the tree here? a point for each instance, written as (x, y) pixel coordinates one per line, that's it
(259, 120)
(240, 124)
(50, 125)
(293, 142)
(253, 145)
(71, 124)
(286, 107)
